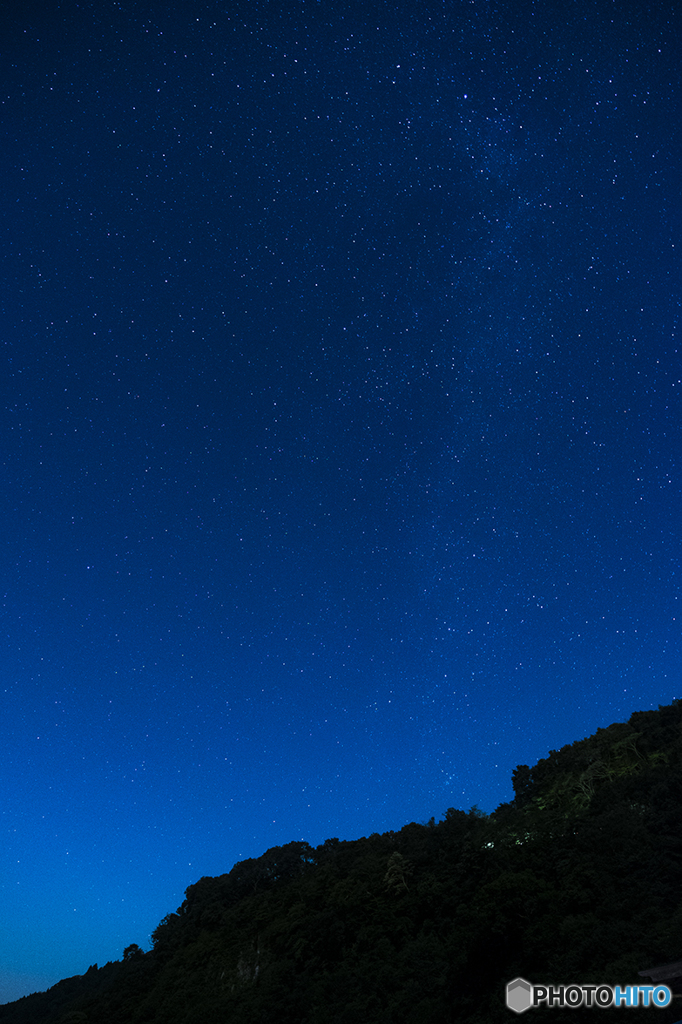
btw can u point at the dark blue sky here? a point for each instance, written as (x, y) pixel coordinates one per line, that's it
(340, 427)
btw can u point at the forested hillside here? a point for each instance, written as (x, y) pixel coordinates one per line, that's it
(579, 879)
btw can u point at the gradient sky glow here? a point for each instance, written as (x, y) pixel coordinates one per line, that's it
(341, 427)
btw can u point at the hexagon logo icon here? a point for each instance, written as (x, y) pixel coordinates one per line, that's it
(519, 995)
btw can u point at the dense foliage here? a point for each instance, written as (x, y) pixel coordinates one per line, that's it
(577, 880)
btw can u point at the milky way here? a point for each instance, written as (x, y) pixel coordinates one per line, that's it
(341, 429)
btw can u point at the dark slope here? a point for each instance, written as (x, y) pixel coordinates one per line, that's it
(579, 879)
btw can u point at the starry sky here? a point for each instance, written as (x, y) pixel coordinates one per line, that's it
(340, 427)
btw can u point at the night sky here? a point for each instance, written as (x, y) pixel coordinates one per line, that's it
(341, 427)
